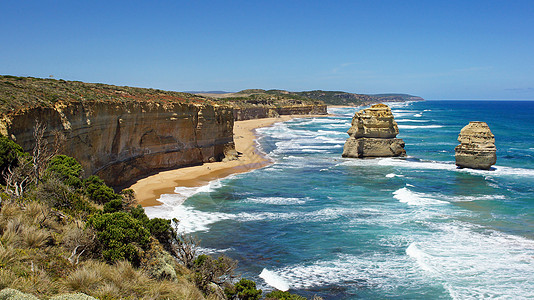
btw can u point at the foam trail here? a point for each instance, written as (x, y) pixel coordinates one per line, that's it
(274, 280)
(409, 197)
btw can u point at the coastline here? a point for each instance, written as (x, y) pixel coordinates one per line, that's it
(148, 190)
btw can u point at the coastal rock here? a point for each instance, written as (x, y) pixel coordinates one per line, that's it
(122, 142)
(477, 147)
(373, 134)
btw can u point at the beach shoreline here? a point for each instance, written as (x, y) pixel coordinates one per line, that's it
(149, 189)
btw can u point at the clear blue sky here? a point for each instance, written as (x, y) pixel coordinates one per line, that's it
(434, 49)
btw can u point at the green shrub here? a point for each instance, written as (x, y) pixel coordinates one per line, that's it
(121, 236)
(98, 191)
(114, 205)
(283, 296)
(161, 229)
(138, 213)
(9, 153)
(67, 169)
(244, 289)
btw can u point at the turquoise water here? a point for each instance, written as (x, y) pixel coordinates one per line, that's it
(413, 228)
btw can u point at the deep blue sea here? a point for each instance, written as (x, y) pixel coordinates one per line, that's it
(386, 228)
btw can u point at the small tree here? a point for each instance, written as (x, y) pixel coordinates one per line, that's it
(9, 154)
(67, 169)
(121, 236)
(244, 289)
(98, 191)
(209, 270)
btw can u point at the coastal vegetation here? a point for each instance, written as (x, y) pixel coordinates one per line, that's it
(255, 96)
(61, 233)
(27, 92)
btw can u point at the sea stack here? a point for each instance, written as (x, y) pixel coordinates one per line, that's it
(477, 147)
(373, 134)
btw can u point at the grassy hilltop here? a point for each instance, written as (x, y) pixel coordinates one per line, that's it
(308, 97)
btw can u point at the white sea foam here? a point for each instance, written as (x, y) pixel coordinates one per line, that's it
(419, 126)
(329, 132)
(473, 198)
(191, 220)
(418, 115)
(473, 263)
(376, 270)
(440, 165)
(391, 175)
(274, 280)
(278, 200)
(409, 197)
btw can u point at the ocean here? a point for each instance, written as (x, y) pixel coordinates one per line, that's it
(395, 228)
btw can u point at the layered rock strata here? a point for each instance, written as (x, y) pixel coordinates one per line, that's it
(124, 141)
(373, 134)
(269, 111)
(477, 147)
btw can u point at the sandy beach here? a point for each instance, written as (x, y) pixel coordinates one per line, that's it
(149, 189)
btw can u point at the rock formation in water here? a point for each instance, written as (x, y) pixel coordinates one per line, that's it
(373, 134)
(477, 147)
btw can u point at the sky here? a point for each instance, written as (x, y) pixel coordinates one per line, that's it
(480, 50)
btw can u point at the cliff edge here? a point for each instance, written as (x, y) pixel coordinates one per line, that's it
(117, 133)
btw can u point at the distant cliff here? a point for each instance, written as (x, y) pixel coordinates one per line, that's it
(344, 98)
(258, 103)
(316, 98)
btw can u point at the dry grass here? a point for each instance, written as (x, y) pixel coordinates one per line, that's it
(32, 237)
(7, 256)
(122, 280)
(34, 249)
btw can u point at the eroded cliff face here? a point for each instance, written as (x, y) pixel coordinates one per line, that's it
(123, 141)
(373, 134)
(269, 111)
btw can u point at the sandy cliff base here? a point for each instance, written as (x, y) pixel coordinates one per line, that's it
(149, 189)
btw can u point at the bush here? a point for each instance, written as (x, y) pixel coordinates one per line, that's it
(161, 229)
(113, 206)
(283, 296)
(121, 236)
(9, 153)
(98, 191)
(67, 169)
(138, 213)
(244, 289)
(209, 270)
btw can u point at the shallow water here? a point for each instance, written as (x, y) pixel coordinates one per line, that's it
(378, 228)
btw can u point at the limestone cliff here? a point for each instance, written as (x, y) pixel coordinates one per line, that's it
(477, 147)
(372, 134)
(123, 141)
(268, 111)
(122, 133)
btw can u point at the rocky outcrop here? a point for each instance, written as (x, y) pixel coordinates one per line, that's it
(477, 147)
(373, 134)
(270, 111)
(124, 141)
